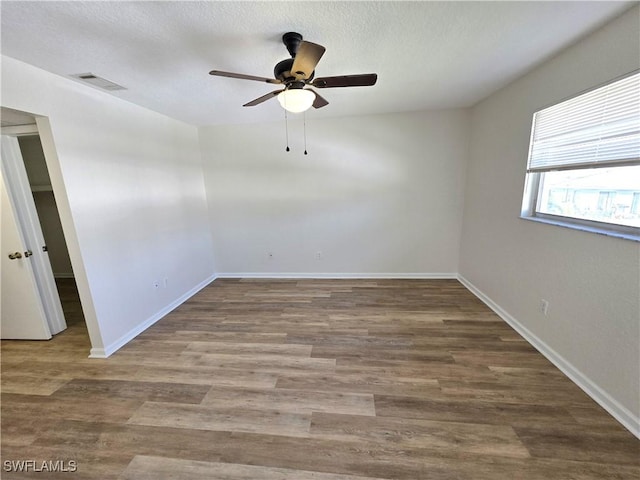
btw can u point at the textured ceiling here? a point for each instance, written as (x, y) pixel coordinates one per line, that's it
(428, 55)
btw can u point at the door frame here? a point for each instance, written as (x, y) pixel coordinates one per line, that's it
(45, 131)
(19, 191)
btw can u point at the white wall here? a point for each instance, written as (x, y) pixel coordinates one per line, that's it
(377, 195)
(130, 191)
(592, 282)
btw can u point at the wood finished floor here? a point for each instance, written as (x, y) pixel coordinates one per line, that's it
(309, 380)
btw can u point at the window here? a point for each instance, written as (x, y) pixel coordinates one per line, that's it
(584, 161)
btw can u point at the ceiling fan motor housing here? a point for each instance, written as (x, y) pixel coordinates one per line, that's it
(292, 41)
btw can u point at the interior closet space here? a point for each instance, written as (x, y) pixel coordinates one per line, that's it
(45, 202)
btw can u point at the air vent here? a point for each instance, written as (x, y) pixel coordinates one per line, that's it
(99, 82)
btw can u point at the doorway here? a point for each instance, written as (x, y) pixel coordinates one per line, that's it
(47, 210)
(37, 190)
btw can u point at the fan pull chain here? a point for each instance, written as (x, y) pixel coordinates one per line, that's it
(304, 120)
(286, 129)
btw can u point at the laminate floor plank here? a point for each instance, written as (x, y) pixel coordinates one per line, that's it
(88, 464)
(108, 409)
(204, 417)
(289, 400)
(83, 367)
(249, 349)
(470, 438)
(241, 337)
(159, 468)
(470, 411)
(172, 442)
(504, 391)
(20, 429)
(358, 383)
(492, 358)
(350, 340)
(372, 355)
(253, 364)
(416, 371)
(28, 385)
(574, 443)
(263, 363)
(170, 345)
(206, 376)
(592, 415)
(148, 391)
(255, 379)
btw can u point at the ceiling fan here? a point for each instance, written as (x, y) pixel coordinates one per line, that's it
(296, 74)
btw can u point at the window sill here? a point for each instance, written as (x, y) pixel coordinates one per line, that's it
(584, 228)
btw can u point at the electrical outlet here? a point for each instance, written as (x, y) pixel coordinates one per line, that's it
(544, 307)
(319, 255)
(270, 255)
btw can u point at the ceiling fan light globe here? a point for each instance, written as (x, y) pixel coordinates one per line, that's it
(296, 100)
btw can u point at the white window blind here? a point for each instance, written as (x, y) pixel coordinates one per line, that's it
(598, 128)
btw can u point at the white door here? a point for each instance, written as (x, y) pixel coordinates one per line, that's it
(16, 186)
(21, 312)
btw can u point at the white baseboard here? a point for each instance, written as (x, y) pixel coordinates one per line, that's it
(337, 276)
(131, 334)
(622, 414)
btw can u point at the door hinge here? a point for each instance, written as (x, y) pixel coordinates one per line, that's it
(44, 248)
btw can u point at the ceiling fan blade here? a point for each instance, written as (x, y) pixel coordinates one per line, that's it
(319, 102)
(263, 98)
(364, 80)
(306, 59)
(220, 73)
